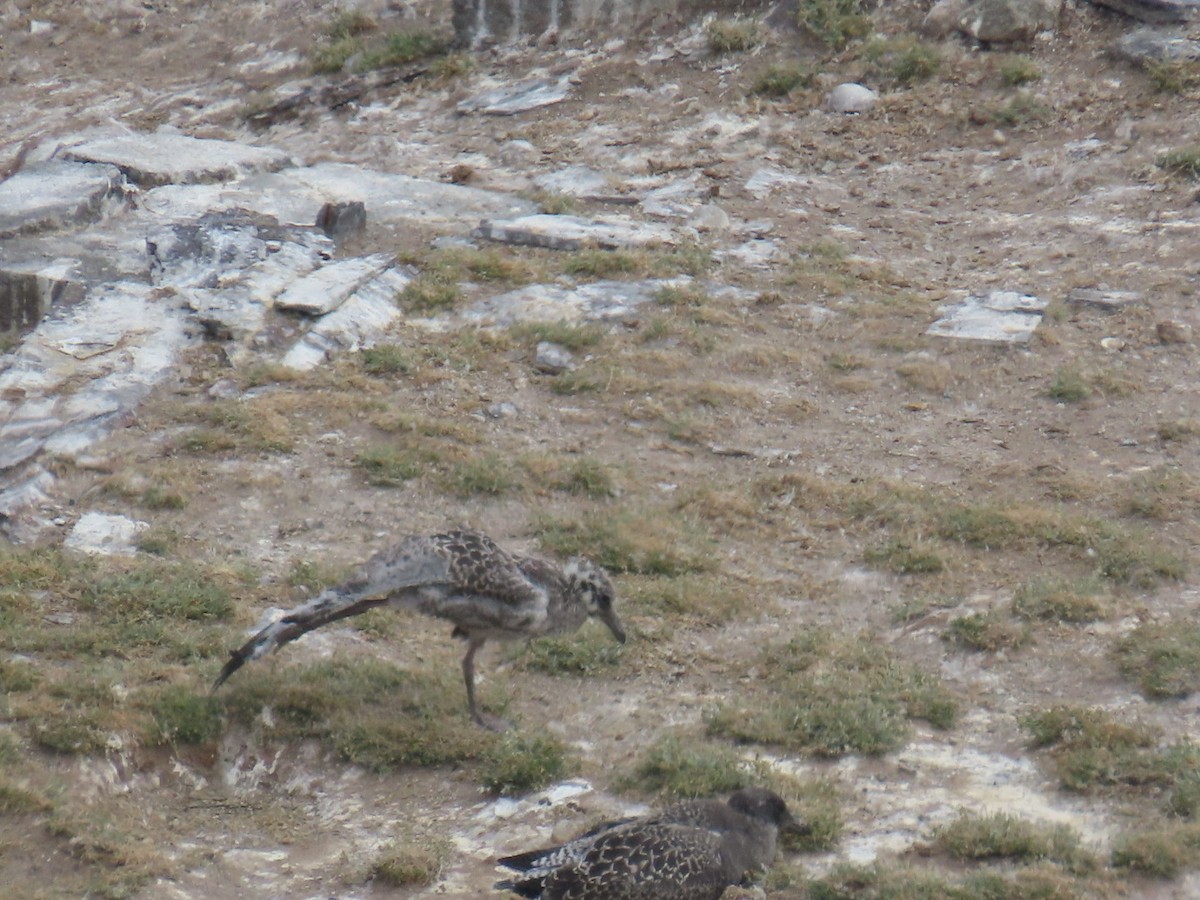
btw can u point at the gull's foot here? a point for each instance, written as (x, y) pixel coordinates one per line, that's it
(492, 723)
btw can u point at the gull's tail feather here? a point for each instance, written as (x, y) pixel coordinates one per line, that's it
(328, 606)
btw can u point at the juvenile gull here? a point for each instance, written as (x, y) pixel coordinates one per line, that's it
(691, 850)
(463, 577)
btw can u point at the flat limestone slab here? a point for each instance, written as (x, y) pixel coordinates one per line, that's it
(362, 319)
(1156, 12)
(56, 194)
(104, 534)
(1155, 45)
(574, 233)
(324, 290)
(510, 99)
(160, 158)
(594, 301)
(1005, 316)
(76, 375)
(296, 195)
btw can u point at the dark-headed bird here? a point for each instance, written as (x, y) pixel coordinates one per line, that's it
(691, 850)
(465, 578)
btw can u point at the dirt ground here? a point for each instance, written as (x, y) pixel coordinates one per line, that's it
(827, 378)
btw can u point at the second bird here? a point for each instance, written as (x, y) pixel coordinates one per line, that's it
(465, 578)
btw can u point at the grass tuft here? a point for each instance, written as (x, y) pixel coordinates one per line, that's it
(406, 864)
(491, 475)
(1174, 76)
(519, 763)
(1091, 751)
(1164, 852)
(1019, 70)
(780, 81)
(181, 716)
(16, 800)
(902, 60)
(371, 713)
(575, 336)
(678, 766)
(1061, 600)
(830, 696)
(973, 837)
(733, 35)
(1162, 658)
(906, 556)
(988, 632)
(834, 22)
(587, 653)
(387, 359)
(646, 542)
(1182, 163)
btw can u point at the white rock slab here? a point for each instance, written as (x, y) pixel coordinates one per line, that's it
(585, 183)
(1005, 316)
(295, 197)
(1157, 12)
(759, 253)
(74, 377)
(327, 288)
(764, 181)
(164, 158)
(360, 321)
(510, 99)
(595, 301)
(1155, 45)
(56, 194)
(676, 200)
(102, 534)
(574, 233)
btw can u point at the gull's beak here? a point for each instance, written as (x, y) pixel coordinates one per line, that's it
(609, 618)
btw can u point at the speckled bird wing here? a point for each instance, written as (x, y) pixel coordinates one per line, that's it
(645, 862)
(486, 591)
(479, 566)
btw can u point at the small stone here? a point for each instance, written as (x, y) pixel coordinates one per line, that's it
(1105, 299)
(553, 359)
(999, 21)
(224, 389)
(342, 220)
(518, 153)
(710, 217)
(104, 534)
(942, 18)
(851, 98)
(1171, 331)
(500, 410)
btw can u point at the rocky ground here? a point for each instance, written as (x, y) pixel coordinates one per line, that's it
(786, 449)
